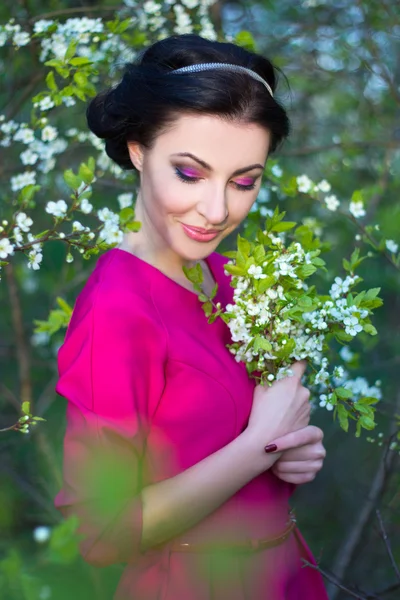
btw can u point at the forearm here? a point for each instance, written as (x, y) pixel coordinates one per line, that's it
(177, 504)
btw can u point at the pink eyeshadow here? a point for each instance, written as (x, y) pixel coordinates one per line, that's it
(245, 181)
(189, 172)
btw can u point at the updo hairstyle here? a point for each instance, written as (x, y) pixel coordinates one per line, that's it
(148, 99)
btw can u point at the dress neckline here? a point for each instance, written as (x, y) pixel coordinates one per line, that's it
(209, 261)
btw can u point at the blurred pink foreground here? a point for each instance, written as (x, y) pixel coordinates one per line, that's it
(148, 380)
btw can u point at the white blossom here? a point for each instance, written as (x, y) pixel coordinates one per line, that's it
(18, 182)
(21, 38)
(357, 209)
(392, 246)
(18, 237)
(6, 248)
(57, 209)
(49, 133)
(346, 354)
(42, 25)
(125, 200)
(77, 226)
(35, 258)
(28, 157)
(323, 186)
(45, 104)
(304, 184)
(108, 216)
(332, 203)
(150, 7)
(24, 135)
(41, 534)
(24, 222)
(256, 272)
(85, 206)
(276, 171)
(111, 234)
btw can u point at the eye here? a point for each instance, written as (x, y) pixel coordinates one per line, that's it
(243, 187)
(184, 177)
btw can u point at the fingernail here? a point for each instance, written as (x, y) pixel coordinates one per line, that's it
(271, 448)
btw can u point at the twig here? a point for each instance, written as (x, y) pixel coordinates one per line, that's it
(350, 544)
(21, 345)
(339, 585)
(11, 397)
(341, 145)
(79, 9)
(387, 543)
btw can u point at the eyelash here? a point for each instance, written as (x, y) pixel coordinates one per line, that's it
(186, 179)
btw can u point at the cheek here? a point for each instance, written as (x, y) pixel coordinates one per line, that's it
(167, 196)
(240, 206)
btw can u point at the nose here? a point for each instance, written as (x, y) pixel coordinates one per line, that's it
(213, 206)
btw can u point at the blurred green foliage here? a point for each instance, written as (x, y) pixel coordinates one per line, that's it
(342, 64)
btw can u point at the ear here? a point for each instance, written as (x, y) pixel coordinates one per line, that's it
(136, 155)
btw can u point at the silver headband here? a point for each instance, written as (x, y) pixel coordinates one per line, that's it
(223, 66)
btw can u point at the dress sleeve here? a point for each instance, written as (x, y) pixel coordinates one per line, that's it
(111, 368)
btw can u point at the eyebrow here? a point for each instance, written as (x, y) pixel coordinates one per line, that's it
(209, 168)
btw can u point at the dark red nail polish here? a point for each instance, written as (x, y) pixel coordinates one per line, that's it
(271, 448)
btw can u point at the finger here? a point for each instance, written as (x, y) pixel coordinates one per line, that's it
(301, 437)
(297, 478)
(307, 466)
(299, 368)
(304, 453)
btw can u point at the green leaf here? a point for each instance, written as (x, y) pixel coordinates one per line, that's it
(346, 265)
(343, 393)
(64, 305)
(194, 274)
(243, 246)
(126, 214)
(214, 291)
(261, 343)
(72, 180)
(367, 423)
(80, 79)
(265, 284)
(306, 270)
(259, 253)
(71, 50)
(235, 270)
(26, 407)
(246, 40)
(207, 307)
(85, 174)
(132, 226)
(284, 226)
(368, 400)
(343, 417)
(369, 328)
(79, 61)
(51, 82)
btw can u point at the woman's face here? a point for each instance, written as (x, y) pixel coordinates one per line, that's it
(198, 183)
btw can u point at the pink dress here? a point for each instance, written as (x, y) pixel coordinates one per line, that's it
(151, 383)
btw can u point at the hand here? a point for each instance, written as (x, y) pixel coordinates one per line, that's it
(303, 458)
(282, 408)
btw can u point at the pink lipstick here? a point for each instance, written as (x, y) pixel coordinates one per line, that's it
(199, 234)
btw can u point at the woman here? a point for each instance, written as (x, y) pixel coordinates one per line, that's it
(174, 462)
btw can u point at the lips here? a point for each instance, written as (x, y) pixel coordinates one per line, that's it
(200, 229)
(199, 234)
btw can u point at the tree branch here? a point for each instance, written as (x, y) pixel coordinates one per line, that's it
(340, 586)
(79, 9)
(387, 544)
(350, 544)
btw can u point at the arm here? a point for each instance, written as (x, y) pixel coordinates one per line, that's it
(174, 505)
